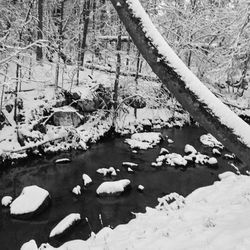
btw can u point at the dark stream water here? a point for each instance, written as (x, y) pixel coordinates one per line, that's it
(59, 179)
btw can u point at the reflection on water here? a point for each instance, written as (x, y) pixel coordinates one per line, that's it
(59, 179)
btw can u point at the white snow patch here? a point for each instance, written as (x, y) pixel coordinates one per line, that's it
(106, 171)
(86, 179)
(76, 190)
(210, 141)
(64, 224)
(189, 149)
(140, 188)
(129, 164)
(30, 245)
(212, 161)
(6, 201)
(144, 140)
(63, 160)
(226, 175)
(113, 187)
(30, 199)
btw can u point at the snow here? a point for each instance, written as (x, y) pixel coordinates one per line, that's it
(6, 201)
(216, 151)
(140, 187)
(130, 170)
(86, 179)
(214, 106)
(189, 149)
(106, 171)
(144, 140)
(76, 190)
(130, 164)
(30, 199)
(170, 141)
(212, 161)
(229, 156)
(210, 141)
(226, 175)
(209, 218)
(175, 159)
(113, 187)
(164, 151)
(63, 160)
(65, 224)
(30, 245)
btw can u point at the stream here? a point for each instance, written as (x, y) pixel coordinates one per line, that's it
(59, 179)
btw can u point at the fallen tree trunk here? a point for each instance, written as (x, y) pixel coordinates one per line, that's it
(193, 95)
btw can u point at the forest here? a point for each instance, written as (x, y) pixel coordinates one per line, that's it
(105, 106)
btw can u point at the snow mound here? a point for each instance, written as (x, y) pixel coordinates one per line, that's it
(189, 149)
(113, 187)
(129, 164)
(174, 159)
(63, 160)
(210, 141)
(86, 179)
(76, 190)
(6, 201)
(31, 199)
(30, 245)
(144, 140)
(65, 224)
(106, 171)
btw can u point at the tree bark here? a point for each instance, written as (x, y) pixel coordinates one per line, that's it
(39, 51)
(199, 109)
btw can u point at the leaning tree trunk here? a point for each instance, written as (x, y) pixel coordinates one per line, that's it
(194, 96)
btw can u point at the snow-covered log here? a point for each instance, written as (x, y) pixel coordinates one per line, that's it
(193, 95)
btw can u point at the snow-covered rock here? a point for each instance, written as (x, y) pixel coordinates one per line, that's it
(130, 170)
(210, 141)
(106, 171)
(30, 245)
(113, 187)
(189, 149)
(229, 156)
(144, 140)
(216, 151)
(164, 151)
(86, 179)
(170, 141)
(76, 190)
(140, 188)
(129, 164)
(65, 224)
(212, 161)
(63, 160)
(174, 159)
(6, 201)
(31, 201)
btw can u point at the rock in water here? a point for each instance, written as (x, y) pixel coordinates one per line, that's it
(111, 188)
(65, 224)
(32, 201)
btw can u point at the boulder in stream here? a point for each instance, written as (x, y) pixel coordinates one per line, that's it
(65, 224)
(113, 188)
(32, 201)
